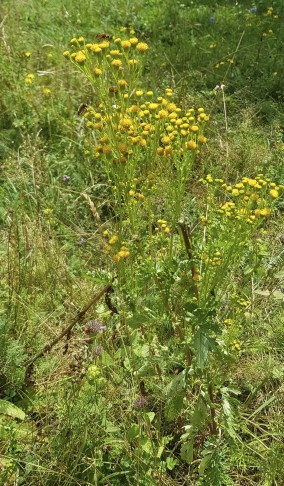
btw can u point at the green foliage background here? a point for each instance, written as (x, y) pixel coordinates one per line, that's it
(88, 431)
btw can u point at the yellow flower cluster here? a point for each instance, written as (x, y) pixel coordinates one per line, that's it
(144, 123)
(121, 251)
(162, 225)
(121, 254)
(29, 78)
(83, 52)
(236, 345)
(249, 199)
(214, 260)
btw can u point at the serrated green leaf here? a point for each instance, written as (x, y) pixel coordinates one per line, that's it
(151, 416)
(176, 385)
(204, 462)
(12, 410)
(186, 451)
(146, 370)
(200, 414)
(171, 463)
(174, 406)
(146, 445)
(137, 320)
(133, 432)
(201, 346)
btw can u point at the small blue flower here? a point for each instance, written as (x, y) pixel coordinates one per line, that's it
(253, 10)
(212, 20)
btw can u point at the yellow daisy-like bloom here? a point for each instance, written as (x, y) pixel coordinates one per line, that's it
(252, 182)
(194, 128)
(97, 71)
(273, 193)
(95, 48)
(27, 54)
(114, 239)
(107, 149)
(165, 140)
(66, 54)
(139, 93)
(125, 44)
(168, 150)
(116, 63)
(171, 107)
(201, 139)
(46, 91)
(191, 145)
(122, 83)
(132, 62)
(115, 52)
(104, 45)
(29, 78)
(73, 40)
(142, 47)
(80, 57)
(133, 41)
(160, 151)
(163, 113)
(125, 122)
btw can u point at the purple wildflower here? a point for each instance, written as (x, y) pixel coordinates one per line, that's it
(97, 350)
(66, 178)
(253, 10)
(81, 241)
(140, 402)
(212, 20)
(94, 326)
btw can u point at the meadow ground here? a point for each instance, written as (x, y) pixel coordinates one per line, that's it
(142, 234)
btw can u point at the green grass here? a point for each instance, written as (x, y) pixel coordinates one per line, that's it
(213, 414)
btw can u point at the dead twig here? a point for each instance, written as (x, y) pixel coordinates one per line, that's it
(67, 330)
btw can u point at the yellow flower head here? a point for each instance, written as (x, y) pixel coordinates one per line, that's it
(122, 83)
(191, 145)
(125, 44)
(80, 57)
(273, 193)
(114, 239)
(115, 52)
(104, 44)
(116, 63)
(95, 48)
(142, 47)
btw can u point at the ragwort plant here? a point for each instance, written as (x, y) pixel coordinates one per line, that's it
(177, 275)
